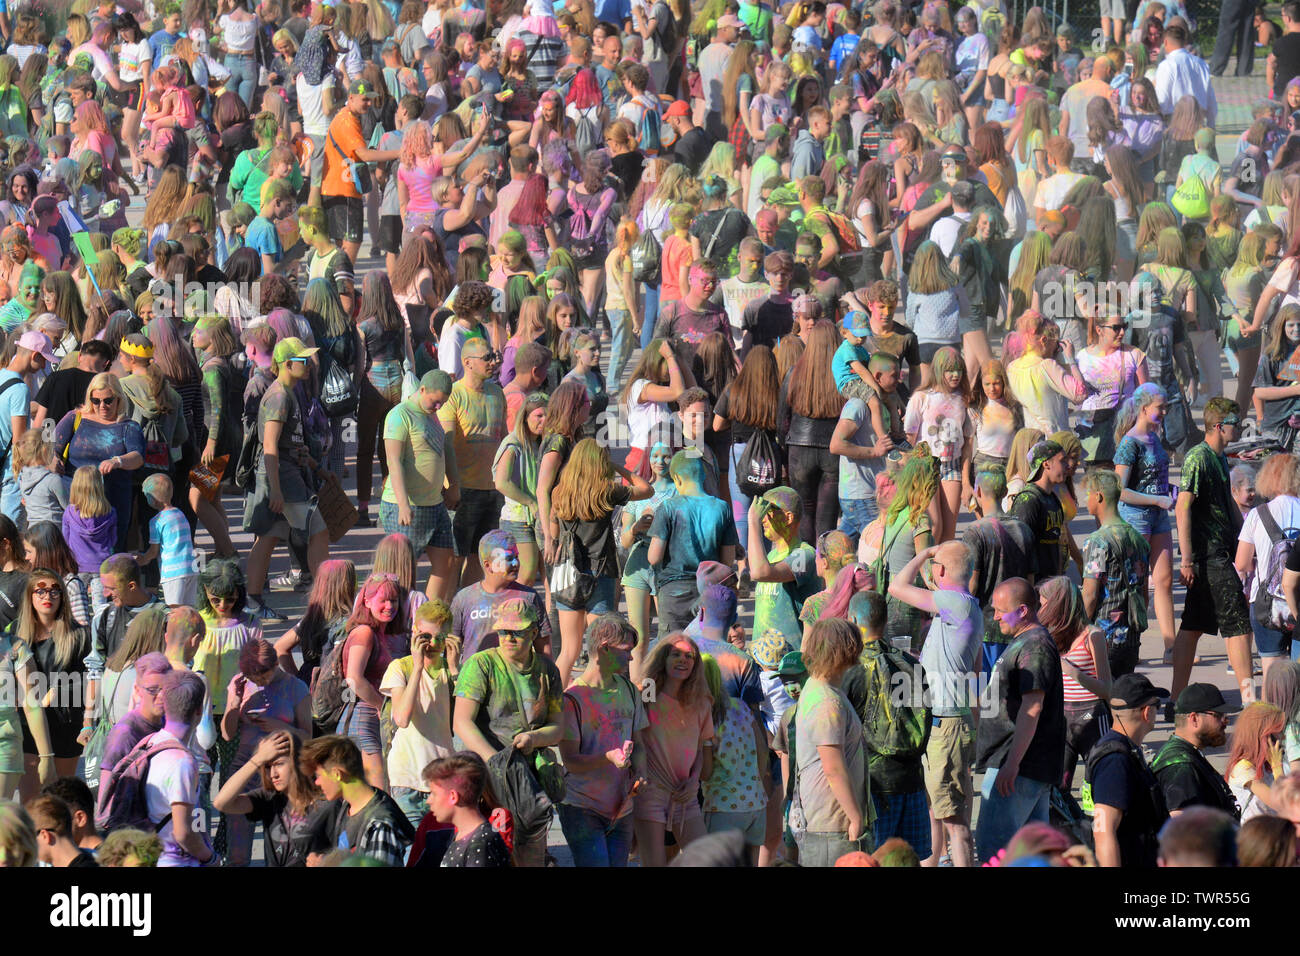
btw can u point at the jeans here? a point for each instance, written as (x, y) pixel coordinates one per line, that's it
(620, 323)
(739, 502)
(674, 602)
(591, 838)
(823, 849)
(370, 416)
(815, 475)
(1000, 817)
(856, 514)
(651, 313)
(243, 76)
(414, 804)
(1236, 22)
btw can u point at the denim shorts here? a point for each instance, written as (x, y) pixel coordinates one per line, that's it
(600, 602)
(1268, 642)
(522, 532)
(752, 825)
(856, 514)
(362, 725)
(1147, 520)
(594, 840)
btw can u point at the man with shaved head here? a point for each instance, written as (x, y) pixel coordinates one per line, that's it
(1021, 737)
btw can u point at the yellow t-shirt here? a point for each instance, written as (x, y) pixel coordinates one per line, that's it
(476, 423)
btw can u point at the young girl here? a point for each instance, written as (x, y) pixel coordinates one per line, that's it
(773, 104)
(622, 305)
(1255, 761)
(529, 327)
(671, 752)
(561, 317)
(998, 416)
(460, 794)
(638, 576)
(585, 352)
(283, 802)
(367, 653)
(90, 527)
(582, 505)
(735, 770)
(1142, 466)
(323, 623)
(514, 472)
(940, 416)
(531, 217)
(656, 383)
(677, 255)
(44, 490)
(1018, 462)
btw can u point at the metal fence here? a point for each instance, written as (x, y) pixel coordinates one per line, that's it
(1085, 15)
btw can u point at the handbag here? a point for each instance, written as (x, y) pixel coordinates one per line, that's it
(572, 582)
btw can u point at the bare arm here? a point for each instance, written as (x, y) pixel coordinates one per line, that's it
(186, 835)
(837, 778)
(1031, 709)
(464, 727)
(354, 667)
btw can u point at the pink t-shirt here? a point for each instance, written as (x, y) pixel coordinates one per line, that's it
(939, 418)
(418, 180)
(672, 739)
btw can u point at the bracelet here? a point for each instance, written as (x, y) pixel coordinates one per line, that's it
(43, 756)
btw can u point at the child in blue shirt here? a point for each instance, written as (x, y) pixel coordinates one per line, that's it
(849, 365)
(171, 542)
(262, 234)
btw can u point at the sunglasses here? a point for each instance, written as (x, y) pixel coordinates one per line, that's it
(1115, 328)
(103, 402)
(48, 592)
(303, 360)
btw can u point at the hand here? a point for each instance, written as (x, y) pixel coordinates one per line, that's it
(855, 828)
(421, 652)
(643, 523)
(550, 550)
(451, 497)
(1067, 351)
(209, 453)
(1186, 573)
(929, 552)
(453, 648)
(618, 757)
(1275, 762)
(83, 738)
(524, 742)
(271, 748)
(276, 503)
(106, 466)
(46, 771)
(1164, 502)
(882, 446)
(404, 514)
(1007, 773)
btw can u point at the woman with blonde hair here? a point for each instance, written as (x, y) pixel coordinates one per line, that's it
(1035, 256)
(936, 302)
(909, 524)
(581, 509)
(739, 84)
(673, 752)
(1027, 143)
(1045, 376)
(1017, 472)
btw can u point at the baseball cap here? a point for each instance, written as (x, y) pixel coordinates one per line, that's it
(34, 341)
(291, 348)
(1201, 699)
(804, 302)
(362, 88)
(1039, 456)
(1133, 690)
(769, 648)
(514, 615)
(785, 195)
(785, 498)
(792, 666)
(679, 108)
(955, 152)
(730, 20)
(775, 132)
(714, 572)
(856, 323)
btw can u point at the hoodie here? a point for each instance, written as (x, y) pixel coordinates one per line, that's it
(92, 540)
(807, 157)
(45, 494)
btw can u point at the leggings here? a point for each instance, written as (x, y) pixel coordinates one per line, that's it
(815, 475)
(373, 409)
(1084, 725)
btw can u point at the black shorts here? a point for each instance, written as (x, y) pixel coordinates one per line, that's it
(929, 348)
(477, 513)
(130, 98)
(390, 234)
(1215, 603)
(345, 218)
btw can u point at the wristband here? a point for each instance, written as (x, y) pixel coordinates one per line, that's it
(43, 756)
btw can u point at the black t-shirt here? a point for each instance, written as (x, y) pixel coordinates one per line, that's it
(12, 586)
(1188, 780)
(765, 321)
(286, 836)
(692, 149)
(741, 433)
(482, 849)
(627, 167)
(1124, 781)
(1031, 663)
(598, 537)
(84, 859)
(732, 226)
(1001, 548)
(1045, 517)
(62, 391)
(1287, 50)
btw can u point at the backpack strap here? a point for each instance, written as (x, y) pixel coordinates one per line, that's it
(1270, 524)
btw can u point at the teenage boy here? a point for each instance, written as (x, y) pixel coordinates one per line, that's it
(1208, 526)
(1053, 190)
(768, 319)
(786, 575)
(1038, 506)
(346, 149)
(52, 821)
(532, 362)
(262, 236)
(470, 307)
(356, 818)
(1116, 562)
(81, 804)
(474, 606)
(171, 787)
(746, 286)
(809, 154)
(689, 528)
(950, 659)
(694, 316)
(326, 260)
(1284, 58)
(695, 412)
(769, 165)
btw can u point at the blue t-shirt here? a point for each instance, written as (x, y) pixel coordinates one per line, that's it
(840, 367)
(843, 48)
(695, 528)
(614, 11)
(171, 532)
(263, 237)
(161, 43)
(1148, 464)
(14, 403)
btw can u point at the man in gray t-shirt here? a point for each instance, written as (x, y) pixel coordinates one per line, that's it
(950, 659)
(861, 453)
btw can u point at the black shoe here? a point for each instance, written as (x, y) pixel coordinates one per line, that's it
(363, 518)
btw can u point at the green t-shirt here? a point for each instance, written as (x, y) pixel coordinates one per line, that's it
(423, 464)
(776, 604)
(510, 700)
(1205, 475)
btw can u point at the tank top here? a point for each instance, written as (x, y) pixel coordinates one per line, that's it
(1081, 657)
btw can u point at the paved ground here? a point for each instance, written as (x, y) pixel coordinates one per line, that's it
(1236, 96)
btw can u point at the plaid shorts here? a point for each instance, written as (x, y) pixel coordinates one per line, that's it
(903, 815)
(430, 525)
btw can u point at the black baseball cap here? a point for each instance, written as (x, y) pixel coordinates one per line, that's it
(1201, 699)
(1134, 690)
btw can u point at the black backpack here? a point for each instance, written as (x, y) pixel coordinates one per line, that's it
(1153, 815)
(250, 454)
(759, 469)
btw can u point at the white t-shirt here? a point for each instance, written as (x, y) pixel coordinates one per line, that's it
(132, 59)
(1053, 190)
(173, 778)
(643, 417)
(428, 735)
(314, 120)
(239, 35)
(349, 62)
(944, 233)
(1286, 512)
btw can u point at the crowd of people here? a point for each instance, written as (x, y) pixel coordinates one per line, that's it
(739, 373)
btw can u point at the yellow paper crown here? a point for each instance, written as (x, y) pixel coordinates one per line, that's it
(139, 351)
